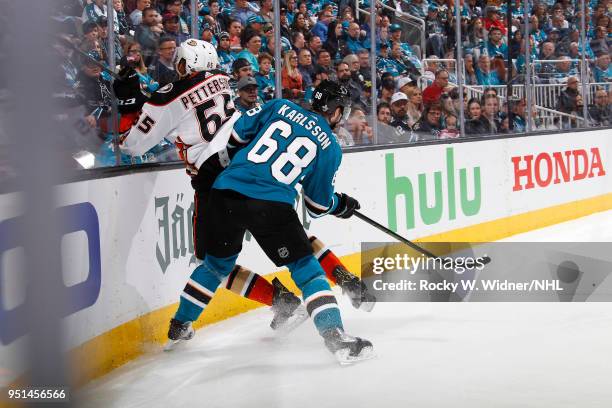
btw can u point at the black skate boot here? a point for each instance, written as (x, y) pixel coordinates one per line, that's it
(355, 289)
(288, 310)
(347, 349)
(178, 332)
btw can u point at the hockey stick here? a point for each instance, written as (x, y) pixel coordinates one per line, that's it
(485, 260)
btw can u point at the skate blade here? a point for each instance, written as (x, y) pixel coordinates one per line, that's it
(367, 306)
(344, 358)
(299, 316)
(172, 344)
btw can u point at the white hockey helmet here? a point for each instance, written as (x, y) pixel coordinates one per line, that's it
(198, 56)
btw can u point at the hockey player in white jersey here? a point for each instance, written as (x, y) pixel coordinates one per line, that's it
(197, 114)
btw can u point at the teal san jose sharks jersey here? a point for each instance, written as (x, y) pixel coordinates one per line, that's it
(284, 145)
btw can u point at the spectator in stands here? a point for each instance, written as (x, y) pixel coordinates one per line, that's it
(134, 58)
(519, 115)
(601, 111)
(251, 43)
(383, 113)
(353, 41)
(94, 10)
(265, 77)
(451, 128)
(176, 7)
(493, 19)
(242, 11)
(414, 107)
(334, 35)
(358, 127)
(566, 102)
(602, 71)
(476, 35)
(148, 33)
(256, 23)
(447, 106)
(300, 24)
(207, 33)
(124, 23)
(235, 30)
(417, 8)
(95, 90)
(484, 74)
(306, 68)
(490, 115)
(429, 126)
(475, 123)
(384, 63)
(247, 94)
(297, 40)
(162, 67)
(218, 21)
(324, 61)
(470, 71)
(434, 27)
(103, 34)
(395, 31)
(136, 15)
(343, 73)
(495, 45)
(387, 90)
(172, 28)
(291, 78)
(90, 36)
(434, 91)
(321, 27)
(537, 32)
(226, 57)
(315, 45)
(240, 68)
(399, 113)
(353, 63)
(267, 11)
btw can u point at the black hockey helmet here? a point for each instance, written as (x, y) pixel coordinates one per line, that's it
(330, 95)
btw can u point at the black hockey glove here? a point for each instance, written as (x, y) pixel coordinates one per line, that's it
(347, 205)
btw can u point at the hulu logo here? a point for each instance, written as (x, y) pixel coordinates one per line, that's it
(402, 186)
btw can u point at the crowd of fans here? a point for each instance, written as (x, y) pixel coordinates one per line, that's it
(417, 94)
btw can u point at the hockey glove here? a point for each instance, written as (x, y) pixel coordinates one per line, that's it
(347, 205)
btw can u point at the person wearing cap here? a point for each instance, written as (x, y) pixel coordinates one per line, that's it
(255, 22)
(226, 57)
(93, 89)
(247, 94)
(384, 63)
(243, 10)
(172, 28)
(399, 113)
(405, 83)
(493, 19)
(207, 34)
(395, 31)
(240, 68)
(251, 44)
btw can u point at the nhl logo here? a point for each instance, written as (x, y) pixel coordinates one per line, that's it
(283, 252)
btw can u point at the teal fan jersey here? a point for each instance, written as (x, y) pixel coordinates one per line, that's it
(284, 145)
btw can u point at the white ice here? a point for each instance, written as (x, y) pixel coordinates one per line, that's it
(429, 355)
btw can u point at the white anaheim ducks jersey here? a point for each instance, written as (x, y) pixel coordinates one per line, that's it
(196, 113)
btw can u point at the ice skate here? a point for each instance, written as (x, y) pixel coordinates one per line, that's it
(177, 333)
(347, 349)
(355, 289)
(288, 310)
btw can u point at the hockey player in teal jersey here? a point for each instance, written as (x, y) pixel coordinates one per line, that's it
(283, 145)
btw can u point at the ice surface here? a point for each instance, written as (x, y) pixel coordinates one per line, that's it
(429, 355)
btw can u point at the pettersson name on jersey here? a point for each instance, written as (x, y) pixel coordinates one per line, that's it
(307, 123)
(200, 95)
